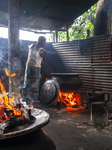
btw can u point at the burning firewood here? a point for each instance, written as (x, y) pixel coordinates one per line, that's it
(67, 99)
(14, 121)
(8, 113)
(12, 115)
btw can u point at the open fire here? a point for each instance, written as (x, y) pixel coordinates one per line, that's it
(11, 114)
(64, 92)
(67, 99)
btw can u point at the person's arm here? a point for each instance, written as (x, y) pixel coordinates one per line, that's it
(43, 54)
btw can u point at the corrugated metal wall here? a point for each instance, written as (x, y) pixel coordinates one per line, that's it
(89, 58)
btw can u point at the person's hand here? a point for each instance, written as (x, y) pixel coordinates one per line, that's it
(43, 53)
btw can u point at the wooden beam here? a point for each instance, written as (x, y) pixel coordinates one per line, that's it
(37, 32)
(14, 47)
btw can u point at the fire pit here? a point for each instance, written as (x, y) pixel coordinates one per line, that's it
(31, 137)
(20, 126)
(39, 119)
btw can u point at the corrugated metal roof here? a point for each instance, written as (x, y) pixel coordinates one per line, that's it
(46, 14)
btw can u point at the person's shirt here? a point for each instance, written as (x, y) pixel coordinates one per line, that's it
(34, 58)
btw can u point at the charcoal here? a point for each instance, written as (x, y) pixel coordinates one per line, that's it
(66, 101)
(63, 103)
(2, 117)
(13, 123)
(8, 112)
(74, 106)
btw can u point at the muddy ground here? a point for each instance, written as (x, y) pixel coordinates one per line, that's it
(70, 129)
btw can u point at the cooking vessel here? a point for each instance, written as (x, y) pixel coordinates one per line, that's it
(69, 82)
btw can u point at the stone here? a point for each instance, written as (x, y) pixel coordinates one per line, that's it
(99, 114)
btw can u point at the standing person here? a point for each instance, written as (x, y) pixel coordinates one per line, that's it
(33, 69)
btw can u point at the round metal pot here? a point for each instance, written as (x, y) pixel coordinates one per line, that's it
(69, 82)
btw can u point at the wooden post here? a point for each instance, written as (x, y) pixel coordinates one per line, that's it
(67, 33)
(56, 34)
(14, 47)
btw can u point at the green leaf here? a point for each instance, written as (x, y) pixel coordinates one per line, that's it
(80, 26)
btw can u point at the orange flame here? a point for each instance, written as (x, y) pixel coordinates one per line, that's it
(7, 73)
(46, 78)
(13, 74)
(31, 107)
(19, 95)
(68, 99)
(10, 81)
(2, 112)
(8, 102)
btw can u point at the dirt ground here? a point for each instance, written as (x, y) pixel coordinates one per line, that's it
(70, 129)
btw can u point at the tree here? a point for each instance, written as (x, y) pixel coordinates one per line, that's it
(80, 26)
(100, 25)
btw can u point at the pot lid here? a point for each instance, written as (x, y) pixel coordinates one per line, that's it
(49, 92)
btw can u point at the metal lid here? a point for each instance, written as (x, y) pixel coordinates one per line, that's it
(49, 92)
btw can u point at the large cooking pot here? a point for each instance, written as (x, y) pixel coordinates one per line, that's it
(66, 82)
(69, 82)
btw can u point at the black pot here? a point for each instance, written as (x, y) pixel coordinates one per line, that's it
(69, 82)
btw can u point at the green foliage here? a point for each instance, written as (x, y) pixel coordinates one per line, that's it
(51, 38)
(80, 26)
(62, 36)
